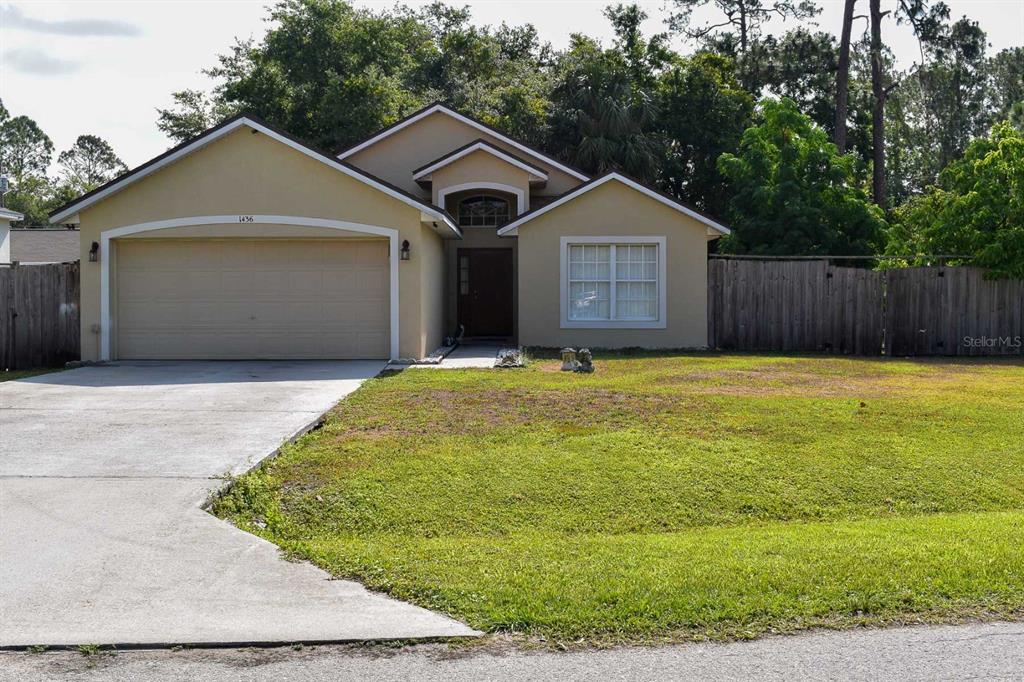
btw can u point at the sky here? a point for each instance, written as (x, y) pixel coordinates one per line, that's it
(105, 67)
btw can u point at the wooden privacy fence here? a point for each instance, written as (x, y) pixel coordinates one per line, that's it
(814, 306)
(953, 311)
(752, 305)
(38, 315)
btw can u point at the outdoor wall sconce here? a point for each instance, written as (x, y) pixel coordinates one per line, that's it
(405, 250)
(94, 252)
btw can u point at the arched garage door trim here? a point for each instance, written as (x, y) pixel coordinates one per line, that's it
(114, 233)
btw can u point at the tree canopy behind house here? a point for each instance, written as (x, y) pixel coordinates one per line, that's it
(26, 153)
(661, 106)
(333, 73)
(976, 209)
(793, 193)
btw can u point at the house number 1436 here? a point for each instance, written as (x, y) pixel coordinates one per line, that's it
(246, 219)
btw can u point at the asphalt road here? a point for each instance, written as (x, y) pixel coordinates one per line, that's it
(977, 651)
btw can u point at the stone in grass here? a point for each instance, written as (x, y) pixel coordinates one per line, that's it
(585, 361)
(569, 363)
(509, 357)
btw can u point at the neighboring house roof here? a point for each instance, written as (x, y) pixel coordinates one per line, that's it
(478, 145)
(437, 107)
(253, 122)
(8, 214)
(44, 245)
(512, 227)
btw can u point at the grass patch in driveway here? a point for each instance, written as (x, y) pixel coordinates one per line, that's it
(15, 374)
(666, 497)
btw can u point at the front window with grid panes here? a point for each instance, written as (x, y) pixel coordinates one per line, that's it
(613, 282)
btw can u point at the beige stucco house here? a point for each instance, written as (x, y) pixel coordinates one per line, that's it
(247, 243)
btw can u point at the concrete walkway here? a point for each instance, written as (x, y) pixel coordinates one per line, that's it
(468, 356)
(102, 539)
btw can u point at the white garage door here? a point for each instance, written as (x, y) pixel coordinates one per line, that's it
(248, 299)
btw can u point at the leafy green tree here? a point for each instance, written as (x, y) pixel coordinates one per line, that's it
(604, 106)
(34, 197)
(327, 72)
(1016, 117)
(25, 150)
(976, 210)
(803, 68)
(742, 18)
(1006, 81)
(800, 65)
(25, 154)
(793, 193)
(599, 121)
(703, 112)
(926, 18)
(499, 76)
(954, 82)
(89, 163)
(192, 113)
(332, 73)
(860, 99)
(938, 107)
(644, 57)
(910, 151)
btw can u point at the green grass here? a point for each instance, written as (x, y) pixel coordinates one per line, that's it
(15, 374)
(666, 497)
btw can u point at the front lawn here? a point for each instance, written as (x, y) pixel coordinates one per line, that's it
(666, 497)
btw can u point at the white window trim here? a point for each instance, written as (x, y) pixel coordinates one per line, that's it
(563, 272)
(106, 304)
(522, 201)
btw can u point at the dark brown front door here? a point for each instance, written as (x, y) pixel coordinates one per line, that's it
(485, 291)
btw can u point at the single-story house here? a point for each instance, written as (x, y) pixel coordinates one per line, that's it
(247, 243)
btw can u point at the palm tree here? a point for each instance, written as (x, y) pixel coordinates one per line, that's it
(608, 121)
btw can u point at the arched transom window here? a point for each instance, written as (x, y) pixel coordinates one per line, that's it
(483, 210)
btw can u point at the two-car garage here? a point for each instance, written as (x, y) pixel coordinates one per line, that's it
(251, 298)
(244, 243)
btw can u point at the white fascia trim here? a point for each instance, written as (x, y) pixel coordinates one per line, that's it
(8, 214)
(114, 233)
(521, 199)
(234, 125)
(481, 147)
(470, 122)
(512, 228)
(563, 285)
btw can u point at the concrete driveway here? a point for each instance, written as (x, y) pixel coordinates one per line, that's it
(102, 538)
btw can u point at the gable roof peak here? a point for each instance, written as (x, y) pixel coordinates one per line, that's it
(440, 107)
(479, 145)
(673, 203)
(256, 125)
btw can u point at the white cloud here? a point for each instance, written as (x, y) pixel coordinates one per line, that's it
(36, 62)
(13, 17)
